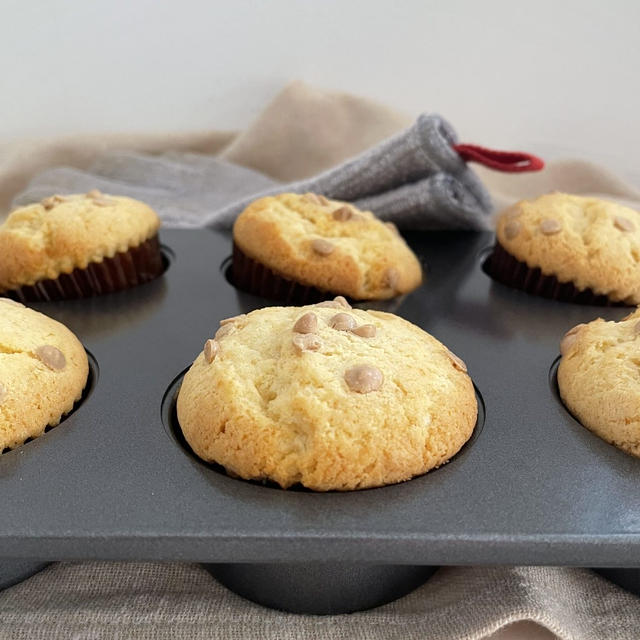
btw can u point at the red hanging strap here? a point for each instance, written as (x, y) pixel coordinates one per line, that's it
(509, 161)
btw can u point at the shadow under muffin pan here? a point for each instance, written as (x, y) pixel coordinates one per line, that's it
(534, 488)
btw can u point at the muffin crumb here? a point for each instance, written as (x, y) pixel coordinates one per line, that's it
(306, 342)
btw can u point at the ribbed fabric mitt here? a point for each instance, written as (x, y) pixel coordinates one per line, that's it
(415, 179)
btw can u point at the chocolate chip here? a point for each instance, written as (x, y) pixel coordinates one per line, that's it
(339, 302)
(342, 214)
(512, 229)
(567, 342)
(550, 226)
(94, 193)
(52, 357)
(575, 329)
(313, 198)
(323, 201)
(232, 319)
(342, 322)
(211, 348)
(306, 342)
(50, 202)
(308, 323)
(392, 226)
(365, 331)
(363, 378)
(570, 338)
(104, 202)
(624, 224)
(224, 331)
(322, 247)
(391, 278)
(3, 393)
(458, 363)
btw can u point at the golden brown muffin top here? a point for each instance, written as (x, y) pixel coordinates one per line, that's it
(43, 370)
(327, 396)
(328, 244)
(62, 233)
(592, 243)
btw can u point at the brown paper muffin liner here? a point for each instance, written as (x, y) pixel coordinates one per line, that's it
(127, 269)
(253, 277)
(504, 268)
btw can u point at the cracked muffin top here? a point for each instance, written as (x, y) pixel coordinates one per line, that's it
(327, 244)
(43, 371)
(327, 396)
(591, 243)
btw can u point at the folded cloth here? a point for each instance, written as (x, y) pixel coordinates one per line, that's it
(415, 179)
(100, 600)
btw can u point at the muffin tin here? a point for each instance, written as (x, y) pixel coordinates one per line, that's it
(115, 481)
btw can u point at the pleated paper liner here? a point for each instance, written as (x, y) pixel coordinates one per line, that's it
(253, 277)
(127, 269)
(504, 268)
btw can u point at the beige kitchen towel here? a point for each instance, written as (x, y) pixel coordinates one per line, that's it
(101, 600)
(303, 131)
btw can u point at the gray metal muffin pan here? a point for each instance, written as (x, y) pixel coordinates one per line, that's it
(113, 481)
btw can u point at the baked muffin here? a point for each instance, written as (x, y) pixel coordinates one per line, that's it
(43, 371)
(327, 396)
(78, 246)
(304, 248)
(571, 248)
(598, 379)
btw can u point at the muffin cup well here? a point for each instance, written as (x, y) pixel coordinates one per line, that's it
(127, 269)
(252, 276)
(504, 268)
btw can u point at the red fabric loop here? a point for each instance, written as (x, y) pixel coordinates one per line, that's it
(509, 161)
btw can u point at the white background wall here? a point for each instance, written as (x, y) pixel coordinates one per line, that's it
(557, 77)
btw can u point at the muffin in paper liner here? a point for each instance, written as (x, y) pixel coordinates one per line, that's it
(45, 375)
(253, 277)
(126, 269)
(301, 248)
(506, 269)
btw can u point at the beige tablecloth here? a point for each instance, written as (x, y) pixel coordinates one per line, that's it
(301, 132)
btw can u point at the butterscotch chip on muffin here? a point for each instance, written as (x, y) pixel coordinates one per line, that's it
(569, 248)
(43, 371)
(599, 379)
(78, 246)
(287, 244)
(308, 395)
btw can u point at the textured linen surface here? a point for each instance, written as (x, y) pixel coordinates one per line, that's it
(302, 133)
(135, 600)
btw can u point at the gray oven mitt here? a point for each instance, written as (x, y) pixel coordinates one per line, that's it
(416, 179)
